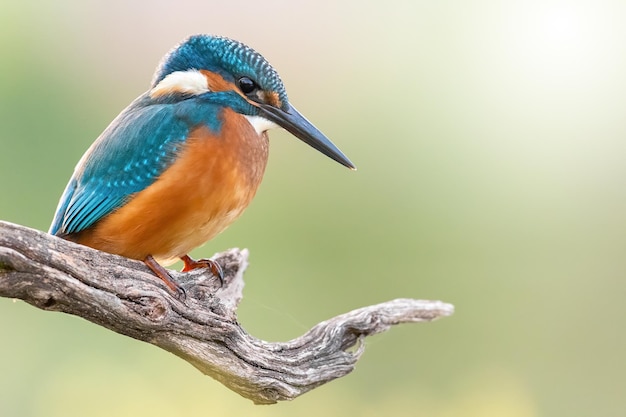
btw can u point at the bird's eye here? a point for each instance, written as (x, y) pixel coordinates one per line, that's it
(246, 85)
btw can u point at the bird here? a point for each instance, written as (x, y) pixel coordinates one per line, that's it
(184, 159)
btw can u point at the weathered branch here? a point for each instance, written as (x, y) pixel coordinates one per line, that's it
(122, 295)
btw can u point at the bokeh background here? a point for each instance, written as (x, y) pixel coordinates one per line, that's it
(490, 141)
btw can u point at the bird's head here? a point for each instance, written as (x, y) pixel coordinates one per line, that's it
(231, 73)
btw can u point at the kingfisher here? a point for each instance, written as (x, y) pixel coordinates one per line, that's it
(184, 159)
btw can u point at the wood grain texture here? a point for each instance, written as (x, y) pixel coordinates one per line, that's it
(122, 295)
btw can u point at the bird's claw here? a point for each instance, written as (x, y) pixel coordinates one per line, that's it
(191, 264)
(162, 273)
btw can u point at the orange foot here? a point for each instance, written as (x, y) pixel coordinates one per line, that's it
(191, 264)
(162, 273)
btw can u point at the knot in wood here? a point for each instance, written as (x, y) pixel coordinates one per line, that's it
(149, 307)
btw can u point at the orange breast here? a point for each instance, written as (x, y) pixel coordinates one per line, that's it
(207, 188)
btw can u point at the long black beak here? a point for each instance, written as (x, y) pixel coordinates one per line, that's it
(295, 123)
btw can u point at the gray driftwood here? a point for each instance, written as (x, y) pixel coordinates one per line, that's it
(122, 295)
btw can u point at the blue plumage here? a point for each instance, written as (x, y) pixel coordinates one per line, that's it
(229, 58)
(143, 140)
(125, 159)
(146, 138)
(128, 157)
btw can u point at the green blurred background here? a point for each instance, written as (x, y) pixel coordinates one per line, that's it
(490, 141)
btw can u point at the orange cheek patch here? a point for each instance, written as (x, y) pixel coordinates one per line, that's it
(217, 83)
(271, 98)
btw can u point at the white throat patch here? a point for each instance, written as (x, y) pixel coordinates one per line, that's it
(261, 124)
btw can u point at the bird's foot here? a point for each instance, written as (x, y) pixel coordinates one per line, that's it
(191, 264)
(162, 273)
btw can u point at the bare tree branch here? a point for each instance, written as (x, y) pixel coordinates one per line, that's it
(122, 295)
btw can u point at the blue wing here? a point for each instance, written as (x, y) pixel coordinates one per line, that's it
(128, 157)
